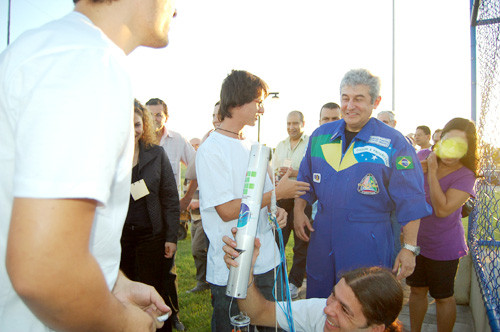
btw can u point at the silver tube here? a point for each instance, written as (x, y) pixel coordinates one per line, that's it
(248, 220)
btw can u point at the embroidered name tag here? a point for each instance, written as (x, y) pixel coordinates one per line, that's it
(382, 141)
(375, 151)
(317, 177)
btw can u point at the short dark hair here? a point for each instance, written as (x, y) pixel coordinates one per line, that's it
(380, 295)
(425, 129)
(470, 160)
(239, 88)
(330, 105)
(158, 101)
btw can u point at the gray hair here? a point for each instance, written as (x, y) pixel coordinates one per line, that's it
(390, 114)
(362, 77)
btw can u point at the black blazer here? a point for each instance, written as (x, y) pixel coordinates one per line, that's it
(163, 199)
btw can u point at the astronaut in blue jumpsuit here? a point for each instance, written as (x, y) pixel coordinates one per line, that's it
(357, 185)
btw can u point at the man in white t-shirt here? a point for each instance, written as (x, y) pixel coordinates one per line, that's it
(65, 181)
(367, 298)
(221, 166)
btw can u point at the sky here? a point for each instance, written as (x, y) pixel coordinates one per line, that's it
(302, 50)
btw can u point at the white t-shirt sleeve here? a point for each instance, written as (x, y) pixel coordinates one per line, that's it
(83, 108)
(213, 172)
(308, 315)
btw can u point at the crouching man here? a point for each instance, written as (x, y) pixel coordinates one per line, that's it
(368, 299)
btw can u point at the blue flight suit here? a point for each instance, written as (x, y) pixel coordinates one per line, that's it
(356, 192)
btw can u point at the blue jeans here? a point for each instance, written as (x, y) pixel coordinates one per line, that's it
(221, 302)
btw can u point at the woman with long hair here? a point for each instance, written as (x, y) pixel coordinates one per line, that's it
(451, 171)
(149, 238)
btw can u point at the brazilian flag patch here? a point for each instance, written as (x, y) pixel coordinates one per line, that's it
(404, 162)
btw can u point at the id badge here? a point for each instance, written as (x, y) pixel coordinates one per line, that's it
(139, 189)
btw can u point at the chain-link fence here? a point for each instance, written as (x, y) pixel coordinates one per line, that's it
(484, 225)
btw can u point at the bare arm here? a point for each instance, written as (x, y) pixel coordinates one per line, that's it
(184, 201)
(300, 220)
(261, 311)
(53, 271)
(286, 188)
(443, 204)
(406, 258)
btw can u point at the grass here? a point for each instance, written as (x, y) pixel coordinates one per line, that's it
(196, 309)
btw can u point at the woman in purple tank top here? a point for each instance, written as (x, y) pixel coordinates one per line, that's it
(450, 174)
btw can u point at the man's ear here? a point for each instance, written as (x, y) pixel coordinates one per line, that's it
(377, 102)
(378, 328)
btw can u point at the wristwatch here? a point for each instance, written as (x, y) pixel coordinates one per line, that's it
(414, 249)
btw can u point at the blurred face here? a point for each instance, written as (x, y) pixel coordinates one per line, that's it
(343, 310)
(329, 115)
(421, 138)
(153, 17)
(215, 119)
(357, 106)
(294, 126)
(138, 127)
(250, 112)
(452, 147)
(158, 116)
(384, 117)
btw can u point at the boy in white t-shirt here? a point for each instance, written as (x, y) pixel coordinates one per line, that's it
(221, 165)
(66, 159)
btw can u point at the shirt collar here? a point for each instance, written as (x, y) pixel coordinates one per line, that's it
(363, 135)
(302, 137)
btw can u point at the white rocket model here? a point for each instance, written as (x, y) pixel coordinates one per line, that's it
(248, 220)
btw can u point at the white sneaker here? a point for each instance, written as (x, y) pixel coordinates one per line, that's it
(294, 291)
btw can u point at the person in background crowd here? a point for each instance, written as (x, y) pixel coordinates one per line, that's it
(329, 112)
(149, 238)
(423, 139)
(199, 240)
(411, 139)
(437, 135)
(287, 156)
(178, 150)
(65, 184)
(387, 117)
(177, 147)
(450, 175)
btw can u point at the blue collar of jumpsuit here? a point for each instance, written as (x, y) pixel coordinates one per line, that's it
(364, 134)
